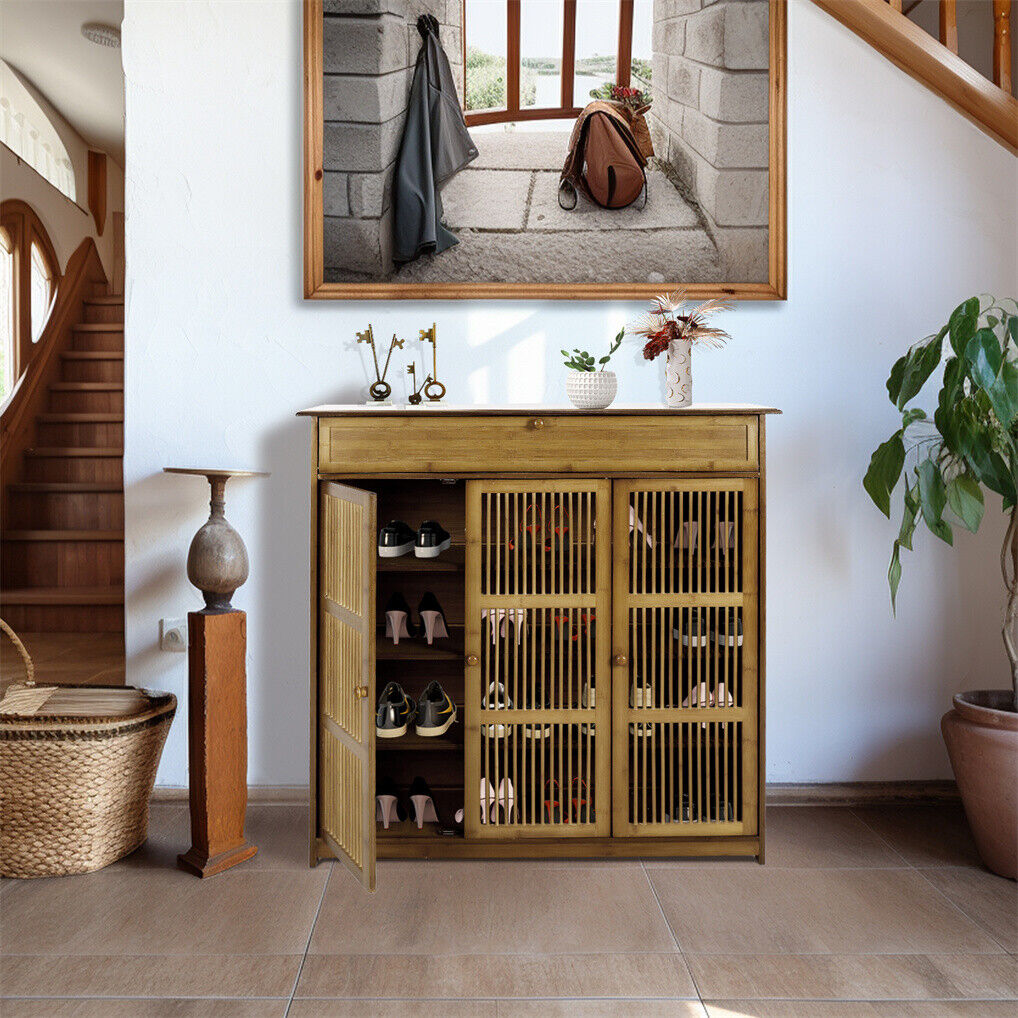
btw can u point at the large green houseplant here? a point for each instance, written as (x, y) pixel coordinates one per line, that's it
(945, 468)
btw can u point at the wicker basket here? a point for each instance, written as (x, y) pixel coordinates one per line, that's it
(76, 777)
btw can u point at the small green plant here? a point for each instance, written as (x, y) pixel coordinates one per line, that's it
(580, 360)
(971, 442)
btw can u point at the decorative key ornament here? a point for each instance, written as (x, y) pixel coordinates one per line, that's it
(433, 389)
(380, 389)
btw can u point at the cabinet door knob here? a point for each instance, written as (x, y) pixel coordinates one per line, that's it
(473, 660)
(360, 692)
(537, 424)
(621, 659)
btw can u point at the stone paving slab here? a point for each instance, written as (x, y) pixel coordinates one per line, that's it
(523, 150)
(665, 208)
(486, 199)
(576, 256)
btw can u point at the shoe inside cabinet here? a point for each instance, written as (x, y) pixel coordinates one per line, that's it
(431, 590)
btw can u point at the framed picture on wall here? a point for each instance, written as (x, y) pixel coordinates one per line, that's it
(582, 149)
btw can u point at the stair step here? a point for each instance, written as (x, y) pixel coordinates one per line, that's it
(80, 418)
(63, 535)
(62, 595)
(87, 386)
(98, 327)
(64, 487)
(105, 301)
(46, 452)
(93, 355)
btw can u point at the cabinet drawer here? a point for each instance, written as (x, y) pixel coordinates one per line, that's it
(519, 444)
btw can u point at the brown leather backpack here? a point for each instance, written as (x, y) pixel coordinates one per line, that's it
(604, 161)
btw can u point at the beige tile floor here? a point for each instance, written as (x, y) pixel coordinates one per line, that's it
(875, 913)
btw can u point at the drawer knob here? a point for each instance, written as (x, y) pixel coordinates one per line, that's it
(621, 659)
(360, 692)
(537, 424)
(473, 660)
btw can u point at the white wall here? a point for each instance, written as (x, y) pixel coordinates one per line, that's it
(67, 222)
(898, 208)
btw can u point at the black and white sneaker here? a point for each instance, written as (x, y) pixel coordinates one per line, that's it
(692, 630)
(395, 709)
(728, 631)
(536, 701)
(395, 539)
(435, 713)
(432, 540)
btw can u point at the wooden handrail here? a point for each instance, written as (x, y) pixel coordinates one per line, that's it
(917, 53)
(1002, 44)
(17, 416)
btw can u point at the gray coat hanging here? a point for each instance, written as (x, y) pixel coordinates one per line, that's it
(435, 145)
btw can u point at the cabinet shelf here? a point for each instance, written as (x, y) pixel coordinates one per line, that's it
(450, 561)
(448, 648)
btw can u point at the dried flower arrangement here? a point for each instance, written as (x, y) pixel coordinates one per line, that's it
(663, 324)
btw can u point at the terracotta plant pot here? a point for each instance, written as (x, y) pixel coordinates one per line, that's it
(982, 741)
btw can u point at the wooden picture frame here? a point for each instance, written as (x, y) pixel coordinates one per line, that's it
(315, 286)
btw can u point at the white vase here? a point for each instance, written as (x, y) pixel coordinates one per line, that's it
(591, 390)
(679, 373)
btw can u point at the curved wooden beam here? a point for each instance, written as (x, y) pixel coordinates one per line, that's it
(920, 55)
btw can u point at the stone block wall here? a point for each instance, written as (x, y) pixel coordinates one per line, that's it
(370, 49)
(710, 118)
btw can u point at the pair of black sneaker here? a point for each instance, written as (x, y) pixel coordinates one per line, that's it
(428, 541)
(396, 711)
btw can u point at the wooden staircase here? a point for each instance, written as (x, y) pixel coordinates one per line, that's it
(884, 24)
(63, 536)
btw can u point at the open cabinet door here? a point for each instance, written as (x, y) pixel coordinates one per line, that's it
(346, 677)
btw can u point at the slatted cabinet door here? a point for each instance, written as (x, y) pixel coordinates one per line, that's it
(346, 677)
(685, 657)
(538, 625)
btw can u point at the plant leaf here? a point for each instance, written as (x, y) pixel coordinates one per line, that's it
(933, 498)
(920, 363)
(965, 498)
(895, 378)
(910, 517)
(962, 324)
(911, 416)
(884, 471)
(894, 575)
(984, 357)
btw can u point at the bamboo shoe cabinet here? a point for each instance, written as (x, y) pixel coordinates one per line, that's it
(603, 595)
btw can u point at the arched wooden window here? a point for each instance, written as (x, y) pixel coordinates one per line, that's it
(28, 279)
(542, 62)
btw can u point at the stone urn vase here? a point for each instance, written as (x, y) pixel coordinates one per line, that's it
(981, 733)
(679, 373)
(591, 390)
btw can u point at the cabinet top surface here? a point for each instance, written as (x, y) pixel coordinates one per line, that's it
(483, 410)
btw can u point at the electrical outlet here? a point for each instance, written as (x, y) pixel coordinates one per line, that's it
(173, 635)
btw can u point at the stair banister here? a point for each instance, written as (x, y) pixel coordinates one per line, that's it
(949, 24)
(1002, 44)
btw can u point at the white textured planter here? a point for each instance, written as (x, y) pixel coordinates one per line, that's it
(591, 390)
(679, 373)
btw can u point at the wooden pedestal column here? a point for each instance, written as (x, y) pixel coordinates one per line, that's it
(217, 735)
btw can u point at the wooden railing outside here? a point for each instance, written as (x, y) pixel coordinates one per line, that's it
(567, 108)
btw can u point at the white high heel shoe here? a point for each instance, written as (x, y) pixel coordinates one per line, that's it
(637, 525)
(506, 797)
